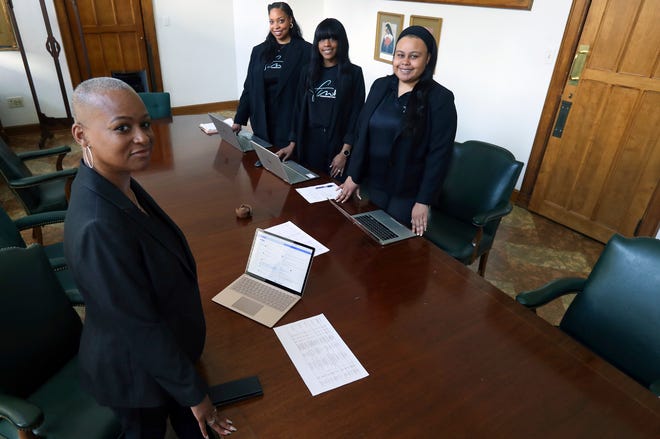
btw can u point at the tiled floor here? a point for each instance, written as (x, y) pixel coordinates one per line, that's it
(529, 250)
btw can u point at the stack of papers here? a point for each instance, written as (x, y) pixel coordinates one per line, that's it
(208, 128)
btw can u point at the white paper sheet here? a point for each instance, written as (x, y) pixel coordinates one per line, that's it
(321, 192)
(321, 357)
(295, 233)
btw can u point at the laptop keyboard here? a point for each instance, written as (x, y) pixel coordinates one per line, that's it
(297, 167)
(294, 177)
(376, 227)
(263, 293)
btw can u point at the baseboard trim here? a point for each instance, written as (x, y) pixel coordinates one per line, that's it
(205, 108)
(515, 196)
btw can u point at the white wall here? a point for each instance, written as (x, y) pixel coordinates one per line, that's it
(498, 62)
(197, 50)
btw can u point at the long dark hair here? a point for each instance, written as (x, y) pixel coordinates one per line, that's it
(329, 28)
(295, 31)
(415, 121)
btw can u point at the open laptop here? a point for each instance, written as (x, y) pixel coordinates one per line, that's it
(240, 141)
(378, 224)
(289, 171)
(273, 281)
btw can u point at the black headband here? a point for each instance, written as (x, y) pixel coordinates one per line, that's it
(423, 34)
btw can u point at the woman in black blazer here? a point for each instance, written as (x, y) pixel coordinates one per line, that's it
(144, 326)
(405, 134)
(328, 104)
(270, 88)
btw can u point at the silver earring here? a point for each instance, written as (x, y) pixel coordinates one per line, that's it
(88, 157)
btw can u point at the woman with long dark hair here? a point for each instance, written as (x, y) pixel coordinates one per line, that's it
(328, 106)
(405, 134)
(270, 88)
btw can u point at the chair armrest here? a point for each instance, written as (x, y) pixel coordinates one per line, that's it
(655, 388)
(58, 263)
(36, 180)
(21, 413)
(29, 155)
(550, 291)
(40, 219)
(481, 219)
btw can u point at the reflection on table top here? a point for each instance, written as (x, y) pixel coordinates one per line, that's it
(448, 354)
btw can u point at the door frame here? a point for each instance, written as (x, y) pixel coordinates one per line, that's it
(72, 59)
(650, 222)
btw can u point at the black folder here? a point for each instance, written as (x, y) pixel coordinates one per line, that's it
(234, 391)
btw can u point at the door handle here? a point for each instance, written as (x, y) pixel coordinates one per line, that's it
(578, 63)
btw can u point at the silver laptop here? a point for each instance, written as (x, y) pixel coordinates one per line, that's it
(379, 225)
(273, 281)
(240, 141)
(289, 171)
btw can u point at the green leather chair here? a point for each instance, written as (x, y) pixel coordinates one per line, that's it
(10, 236)
(616, 312)
(39, 389)
(37, 193)
(158, 104)
(474, 198)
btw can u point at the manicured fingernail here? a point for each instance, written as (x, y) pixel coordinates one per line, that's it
(232, 428)
(228, 421)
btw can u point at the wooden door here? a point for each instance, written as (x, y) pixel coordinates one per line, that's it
(110, 36)
(600, 171)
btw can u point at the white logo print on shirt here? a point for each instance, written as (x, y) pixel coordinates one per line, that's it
(325, 90)
(276, 64)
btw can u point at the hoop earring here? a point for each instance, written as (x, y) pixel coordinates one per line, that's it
(291, 26)
(88, 157)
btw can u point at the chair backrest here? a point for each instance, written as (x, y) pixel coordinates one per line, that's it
(12, 168)
(481, 176)
(617, 315)
(158, 104)
(9, 233)
(40, 329)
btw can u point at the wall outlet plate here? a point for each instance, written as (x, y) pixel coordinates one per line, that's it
(15, 102)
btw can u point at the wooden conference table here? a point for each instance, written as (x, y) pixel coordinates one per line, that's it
(448, 354)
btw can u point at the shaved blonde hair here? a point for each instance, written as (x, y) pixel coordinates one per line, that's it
(88, 91)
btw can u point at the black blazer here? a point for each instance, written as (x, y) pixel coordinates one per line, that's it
(144, 326)
(252, 104)
(345, 112)
(414, 171)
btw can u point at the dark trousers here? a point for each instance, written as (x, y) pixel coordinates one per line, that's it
(398, 207)
(151, 423)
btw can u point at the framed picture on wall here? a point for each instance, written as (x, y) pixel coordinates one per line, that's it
(432, 24)
(388, 27)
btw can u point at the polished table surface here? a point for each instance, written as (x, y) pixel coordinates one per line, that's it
(448, 354)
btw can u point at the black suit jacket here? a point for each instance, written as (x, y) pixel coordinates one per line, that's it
(414, 171)
(252, 104)
(345, 112)
(144, 326)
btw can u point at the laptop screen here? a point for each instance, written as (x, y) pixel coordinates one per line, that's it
(280, 261)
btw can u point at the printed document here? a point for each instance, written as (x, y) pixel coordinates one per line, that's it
(295, 233)
(319, 192)
(321, 357)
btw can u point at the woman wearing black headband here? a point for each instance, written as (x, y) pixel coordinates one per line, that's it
(405, 134)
